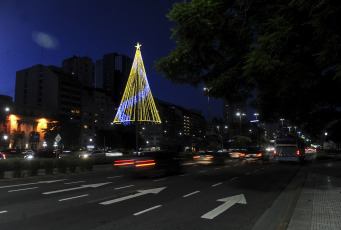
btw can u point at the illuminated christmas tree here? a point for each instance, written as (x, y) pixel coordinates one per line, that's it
(137, 103)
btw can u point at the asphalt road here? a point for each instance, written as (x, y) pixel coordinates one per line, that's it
(230, 196)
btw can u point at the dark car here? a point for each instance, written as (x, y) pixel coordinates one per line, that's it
(43, 154)
(254, 152)
(151, 163)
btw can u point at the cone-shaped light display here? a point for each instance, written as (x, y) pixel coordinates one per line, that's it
(137, 103)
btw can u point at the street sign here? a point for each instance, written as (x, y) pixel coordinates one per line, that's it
(58, 138)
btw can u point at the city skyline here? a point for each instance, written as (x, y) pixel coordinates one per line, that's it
(92, 29)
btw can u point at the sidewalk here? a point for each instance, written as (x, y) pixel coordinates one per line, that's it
(319, 203)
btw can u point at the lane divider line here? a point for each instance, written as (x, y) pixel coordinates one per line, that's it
(3, 212)
(23, 189)
(190, 194)
(124, 187)
(160, 179)
(76, 182)
(75, 197)
(147, 210)
(234, 178)
(217, 184)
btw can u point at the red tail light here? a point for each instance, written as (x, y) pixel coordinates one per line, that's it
(4, 156)
(209, 157)
(196, 157)
(259, 154)
(144, 163)
(298, 152)
(275, 152)
(123, 162)
(242, 154)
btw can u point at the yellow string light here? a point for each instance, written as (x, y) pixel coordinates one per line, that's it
(137, 102)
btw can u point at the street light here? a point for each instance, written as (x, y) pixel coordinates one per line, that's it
(208, 103)
(240, 120)
(256, 115)
(282, 122)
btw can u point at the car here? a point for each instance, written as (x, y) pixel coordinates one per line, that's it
(43, 153)
(254, 152)
(236, 153)
(151, 163)
(210, 158)
(2, 156)
(94, 153)
(113, 153)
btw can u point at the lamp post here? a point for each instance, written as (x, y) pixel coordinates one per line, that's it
(208, 103)
(282, 122)
(240, 120)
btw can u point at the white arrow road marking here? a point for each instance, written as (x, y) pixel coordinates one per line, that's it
(3, 212)
(76, 188)
(40, 182)
(140, 193)
(229, 201)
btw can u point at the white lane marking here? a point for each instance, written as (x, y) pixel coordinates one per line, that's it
(70, 198)
(160, 179)
(76, 182)
(140, 193)
(147, 210)
(216, 168)
(226, 166)
(234, 178)
(247, 173)
(40, 182)
(235, 165)
(77, 188)
(3, 211)
(124, 187)
(23, 189)
(184, 174)
(190, 194)
(203, 171)
(262, 168)
(228, 202)
(111, 177)
(256, 170)
(217, 184)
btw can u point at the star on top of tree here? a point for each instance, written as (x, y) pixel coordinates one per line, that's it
(138, 46)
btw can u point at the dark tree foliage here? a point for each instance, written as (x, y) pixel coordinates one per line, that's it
(67, 128)
(283, 55)
(122, 137)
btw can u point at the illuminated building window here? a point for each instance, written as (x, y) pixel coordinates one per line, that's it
(85, 126)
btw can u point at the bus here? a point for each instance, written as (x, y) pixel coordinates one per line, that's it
(289, 147)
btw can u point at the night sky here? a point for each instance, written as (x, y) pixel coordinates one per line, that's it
(92, 28)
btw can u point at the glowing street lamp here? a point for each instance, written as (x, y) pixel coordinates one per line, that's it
(208, 102)
(240, 120)
(282, 121)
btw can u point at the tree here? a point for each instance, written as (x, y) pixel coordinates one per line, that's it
(283, 56)
(67, 128)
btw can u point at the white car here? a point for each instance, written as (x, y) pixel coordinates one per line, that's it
(114, 153)
(95, 153)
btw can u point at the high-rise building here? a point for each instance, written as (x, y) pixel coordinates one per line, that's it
(112, 72)
(81, 69)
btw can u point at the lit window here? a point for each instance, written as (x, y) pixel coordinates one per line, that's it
(85, 126)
